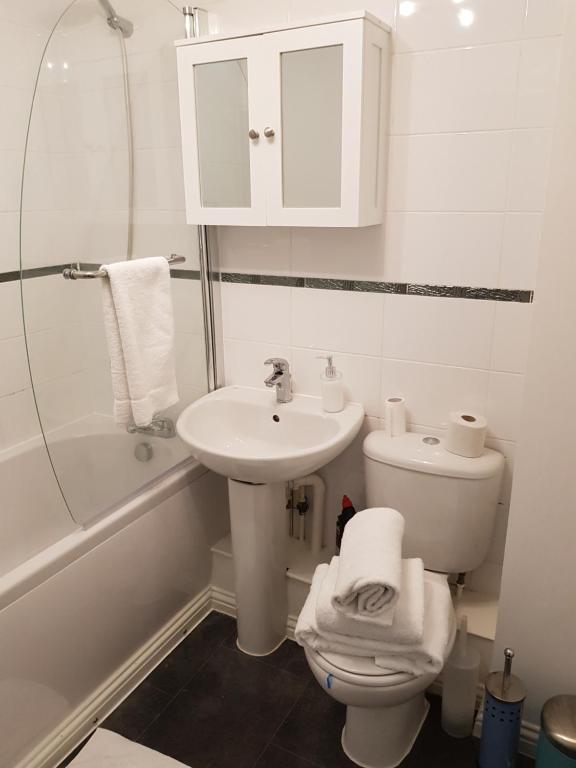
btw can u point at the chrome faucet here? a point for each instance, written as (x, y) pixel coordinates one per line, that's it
(280, 378)
(158, 427)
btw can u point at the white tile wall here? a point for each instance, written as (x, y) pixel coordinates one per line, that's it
(438, 330)
(520, 247)
(433, 24)
(529, 170)
(545, 17)
(15, 376)
(443, 248)
(473, 94)
(326, 252)
(449, 171)
(247, 249)
(256, 313)
(539, 62)
(461, 89)
(511, 337)
(10, 311)
(342, 321)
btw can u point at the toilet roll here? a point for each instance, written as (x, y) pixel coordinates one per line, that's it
(466, 434)
(395, 416)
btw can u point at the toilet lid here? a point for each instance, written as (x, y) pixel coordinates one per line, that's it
(356, 665)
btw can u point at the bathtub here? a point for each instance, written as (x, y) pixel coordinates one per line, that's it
(93, 606)
(99, 467)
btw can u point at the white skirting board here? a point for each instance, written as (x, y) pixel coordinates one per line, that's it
(55, 747)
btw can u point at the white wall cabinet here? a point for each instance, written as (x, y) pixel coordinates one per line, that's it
(288, 126)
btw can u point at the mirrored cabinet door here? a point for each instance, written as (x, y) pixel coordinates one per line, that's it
(218, 106)
(311, 120)
(317, 109)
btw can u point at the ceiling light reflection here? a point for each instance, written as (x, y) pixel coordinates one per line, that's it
(466, 17)
(407, 8)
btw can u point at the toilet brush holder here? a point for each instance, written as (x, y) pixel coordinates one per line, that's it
(502, 717)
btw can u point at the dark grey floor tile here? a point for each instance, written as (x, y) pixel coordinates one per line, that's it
(524, 762)
(313, 729)
(435, 748)
(137, 711)
(289, 657)
(172, 674)
(274, 757)
(227, 714)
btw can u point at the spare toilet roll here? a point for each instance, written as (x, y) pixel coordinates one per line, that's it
(395, 416)
(466, 434)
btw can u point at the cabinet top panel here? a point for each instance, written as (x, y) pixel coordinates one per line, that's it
(335, 19)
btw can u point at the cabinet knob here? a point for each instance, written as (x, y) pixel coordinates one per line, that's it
(269, 132)
(253, 134)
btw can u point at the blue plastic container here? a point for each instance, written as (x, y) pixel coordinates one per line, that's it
(557, 742)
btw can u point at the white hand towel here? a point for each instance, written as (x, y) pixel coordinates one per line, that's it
(425, 657)
(370, 571)
(139, 322)
(408, 624)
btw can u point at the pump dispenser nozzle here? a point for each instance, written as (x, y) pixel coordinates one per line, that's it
(330, 371)
(331, 386)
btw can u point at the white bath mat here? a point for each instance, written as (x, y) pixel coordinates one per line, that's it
(108, 750)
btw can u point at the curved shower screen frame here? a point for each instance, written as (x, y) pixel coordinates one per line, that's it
(125, 28)
(130, 147)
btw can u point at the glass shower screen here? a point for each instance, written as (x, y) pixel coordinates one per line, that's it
(82, 147)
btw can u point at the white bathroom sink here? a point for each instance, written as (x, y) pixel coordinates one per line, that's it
(244, 434)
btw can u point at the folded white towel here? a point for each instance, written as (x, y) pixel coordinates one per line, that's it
(425, 657)
(408, 624)
(139, 322)
(439, 633)
(370, 571)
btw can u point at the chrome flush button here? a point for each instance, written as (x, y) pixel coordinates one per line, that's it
(431, 440)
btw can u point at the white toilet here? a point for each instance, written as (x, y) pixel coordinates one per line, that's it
(448, 503)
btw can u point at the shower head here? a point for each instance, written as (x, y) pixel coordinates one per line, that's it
(115, 21)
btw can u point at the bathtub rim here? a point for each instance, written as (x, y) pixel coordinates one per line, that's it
(42, 566)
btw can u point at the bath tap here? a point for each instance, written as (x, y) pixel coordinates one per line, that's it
(280, 378)
(156, 428)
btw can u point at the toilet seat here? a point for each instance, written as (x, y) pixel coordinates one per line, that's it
(358, 670)
(356, 665)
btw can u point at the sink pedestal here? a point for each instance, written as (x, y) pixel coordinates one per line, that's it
(259, 547)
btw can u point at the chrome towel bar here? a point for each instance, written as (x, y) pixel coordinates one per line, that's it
(79, 274)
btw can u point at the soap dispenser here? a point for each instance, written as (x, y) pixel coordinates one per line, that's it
(331, 387)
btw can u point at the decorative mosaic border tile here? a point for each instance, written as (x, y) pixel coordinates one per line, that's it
(323, 283)
(9, 277)
(373, 286)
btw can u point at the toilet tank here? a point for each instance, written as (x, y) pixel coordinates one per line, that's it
(448, 502)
